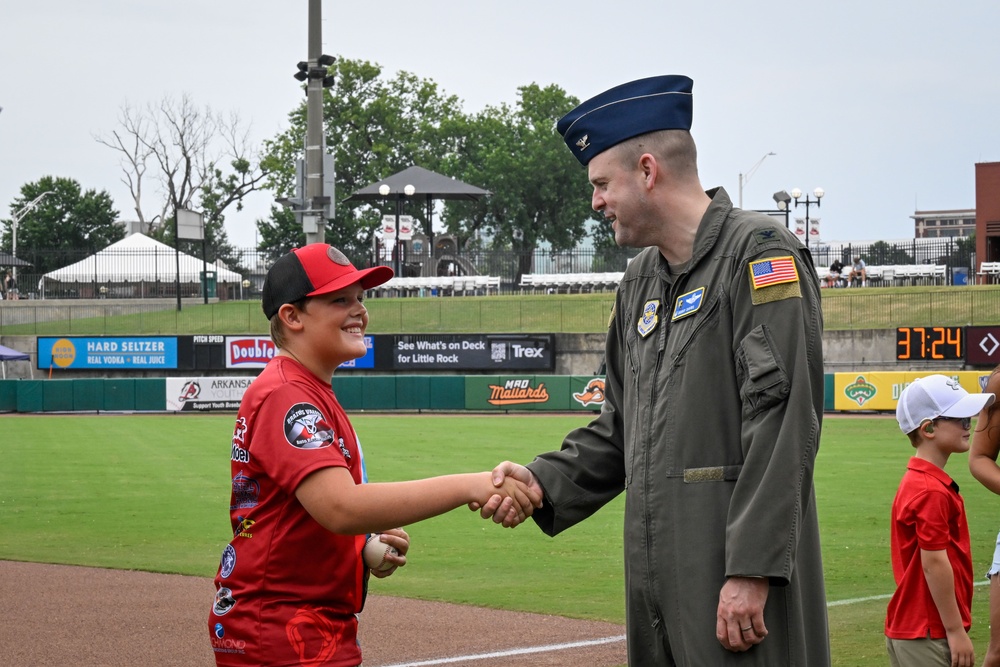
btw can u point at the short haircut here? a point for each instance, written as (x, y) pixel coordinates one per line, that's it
(277, 328)
(676, 148)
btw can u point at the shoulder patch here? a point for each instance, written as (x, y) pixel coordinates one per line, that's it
(774, 279)
(305, 427)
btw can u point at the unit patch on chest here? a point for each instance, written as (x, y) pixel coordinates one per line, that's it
(688, 304)
(649, 318)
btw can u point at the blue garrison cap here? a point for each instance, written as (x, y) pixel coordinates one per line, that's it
(626, 111)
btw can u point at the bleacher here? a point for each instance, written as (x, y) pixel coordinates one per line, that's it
(440, 286)
(989, 272)
(896, 274)
(569, 283)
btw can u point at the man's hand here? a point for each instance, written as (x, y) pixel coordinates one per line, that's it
(502, 509)
(740, 618)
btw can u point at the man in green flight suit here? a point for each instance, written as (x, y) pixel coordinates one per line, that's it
(713, 403)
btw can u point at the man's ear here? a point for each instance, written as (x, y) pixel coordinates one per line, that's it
(650, 169)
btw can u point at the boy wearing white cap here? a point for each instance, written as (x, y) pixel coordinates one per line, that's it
(929, 615)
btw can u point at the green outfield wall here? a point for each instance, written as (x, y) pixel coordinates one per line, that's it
(875, 391)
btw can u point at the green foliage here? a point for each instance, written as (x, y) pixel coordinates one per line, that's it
(539, 191)
(375, 126)
(881, 253)
(62, 223)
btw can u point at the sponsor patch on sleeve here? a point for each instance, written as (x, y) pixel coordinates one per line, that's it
(774, 279)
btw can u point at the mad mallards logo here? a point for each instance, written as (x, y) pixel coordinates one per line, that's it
(517, 392)
(592, 394)
(860, 391)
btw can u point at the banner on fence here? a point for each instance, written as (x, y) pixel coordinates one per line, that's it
(200, 394)
(880, 390)
(466, 352)
(112, 353)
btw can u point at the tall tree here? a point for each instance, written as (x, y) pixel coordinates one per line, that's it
(540, 192)
(63, 225)
(374, 126)
(195, 158)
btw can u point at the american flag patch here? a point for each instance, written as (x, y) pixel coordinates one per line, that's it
(773, 271)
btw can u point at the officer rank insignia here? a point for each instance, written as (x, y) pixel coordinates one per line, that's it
(649, 318)
(773, 279)
(688, 304)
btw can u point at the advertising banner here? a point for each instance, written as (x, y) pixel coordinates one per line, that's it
(199, 394)
(982, 346)
(881, 390)
(468, 352)
(256, 351)
(111, 353)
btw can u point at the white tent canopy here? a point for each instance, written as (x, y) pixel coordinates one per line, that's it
(138, 258)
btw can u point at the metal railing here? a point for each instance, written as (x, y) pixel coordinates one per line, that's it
(857, 308)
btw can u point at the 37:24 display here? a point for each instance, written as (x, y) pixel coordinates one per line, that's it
(929, 343)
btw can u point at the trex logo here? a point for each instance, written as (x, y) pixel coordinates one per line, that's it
(860, 391)
(592, 394)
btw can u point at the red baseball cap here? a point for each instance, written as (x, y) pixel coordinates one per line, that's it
(316, 269)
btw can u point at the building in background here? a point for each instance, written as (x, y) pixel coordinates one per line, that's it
(988, 211)
(944, 224)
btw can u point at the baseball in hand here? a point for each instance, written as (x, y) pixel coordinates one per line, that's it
(375, 553)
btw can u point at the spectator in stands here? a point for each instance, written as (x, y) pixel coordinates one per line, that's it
(836, 269)
(858, 271)
(983, 465)
(9, 286)
(722, 539)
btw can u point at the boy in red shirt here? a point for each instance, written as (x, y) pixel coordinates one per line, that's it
(292, 580)
(929, 615)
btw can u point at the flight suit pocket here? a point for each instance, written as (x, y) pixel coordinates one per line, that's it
(761, 373)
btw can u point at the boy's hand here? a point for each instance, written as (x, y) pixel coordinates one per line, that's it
(962, 652)
(400, 540)
(501, 507)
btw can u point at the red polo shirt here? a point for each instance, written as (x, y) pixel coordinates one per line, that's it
(928, 513)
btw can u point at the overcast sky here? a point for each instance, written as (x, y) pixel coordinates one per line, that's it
(887, 105)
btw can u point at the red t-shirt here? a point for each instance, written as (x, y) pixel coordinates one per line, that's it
(928, 513)
(287, 588)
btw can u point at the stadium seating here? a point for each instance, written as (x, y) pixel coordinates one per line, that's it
(989, 272)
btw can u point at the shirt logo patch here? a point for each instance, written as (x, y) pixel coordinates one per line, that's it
(305, 427)
(228, 563)
(688, 304)
(647, 322)
(773, 271)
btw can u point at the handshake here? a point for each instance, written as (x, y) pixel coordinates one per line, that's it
(511, 497)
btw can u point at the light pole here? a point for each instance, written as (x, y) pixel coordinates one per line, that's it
(745, 178)
(16, 219)
(385, 191)
(797, 195)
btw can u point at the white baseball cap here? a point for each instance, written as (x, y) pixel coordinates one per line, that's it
(934, 396)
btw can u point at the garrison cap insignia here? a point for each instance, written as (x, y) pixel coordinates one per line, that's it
(688, 304)
(649, 318)
(584, 142)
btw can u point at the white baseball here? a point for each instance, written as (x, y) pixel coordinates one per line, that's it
(375, 552)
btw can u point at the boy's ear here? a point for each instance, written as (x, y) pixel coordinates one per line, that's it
(929, 428)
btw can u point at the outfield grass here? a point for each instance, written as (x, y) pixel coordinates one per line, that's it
(869, 308)
(151, 492)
